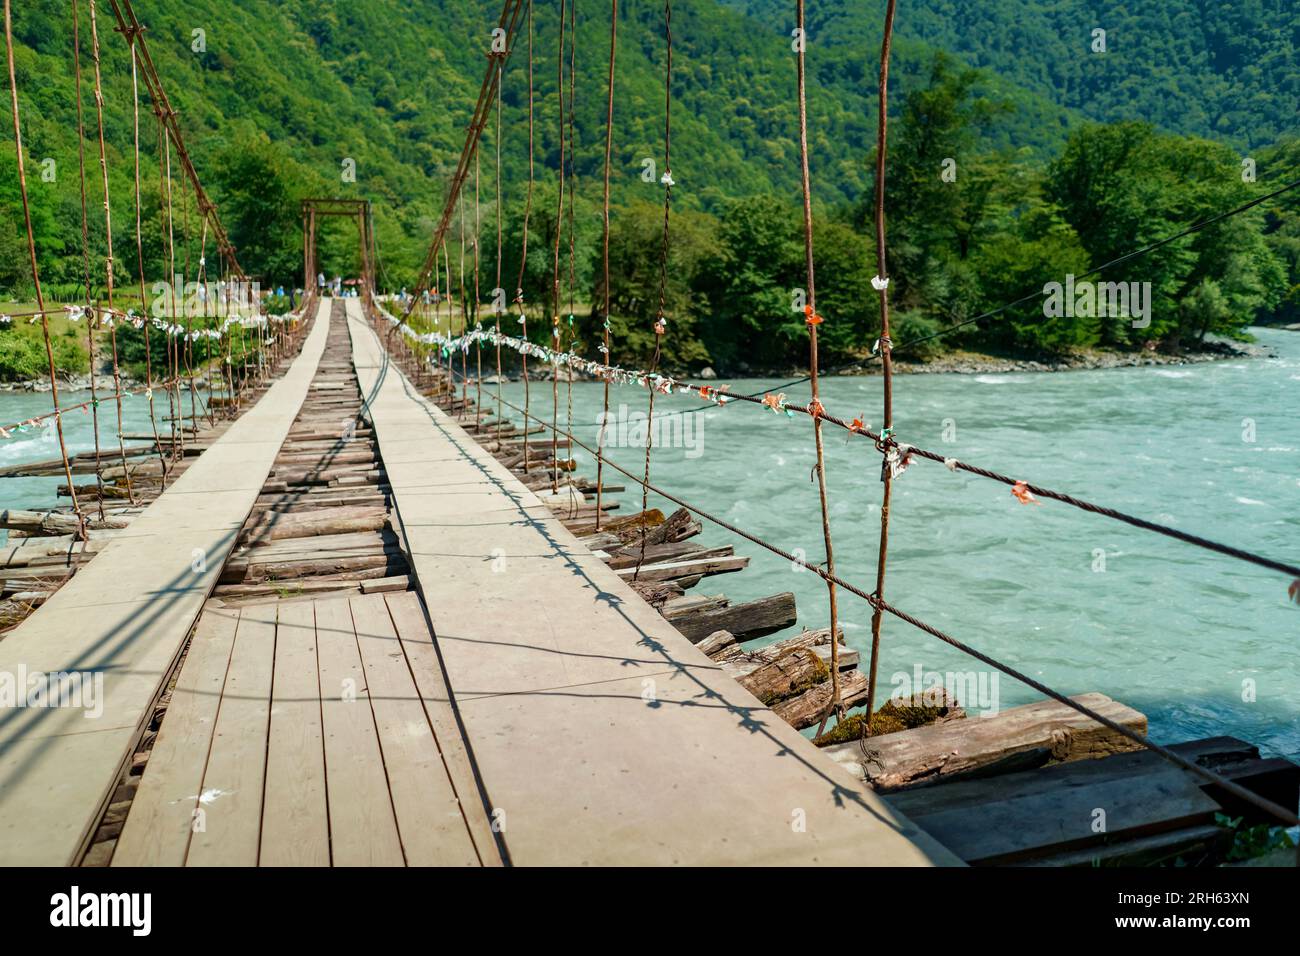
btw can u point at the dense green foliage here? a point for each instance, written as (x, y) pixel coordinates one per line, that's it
(23, 356)
(1064, 157)
(1227, 71)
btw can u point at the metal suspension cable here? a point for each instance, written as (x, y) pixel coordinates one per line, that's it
(573, 189)
(464, 310)
(507, 24)
(660, 322)
(499, 289)
(478, 350)
(206, 303)
(555, 273)
(173, 358)
(189, 359)
(36, 272)
(146, 327)
(609, 146)
(834, 705)
(91, 317)
(130, 27)
(1283, 814)
(528, 208)
(451, 318)
(108, 239)
(881, 282)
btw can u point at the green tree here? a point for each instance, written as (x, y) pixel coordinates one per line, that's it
(15, 267)
(258, 189)
(751, 284)
(636, 268)
(1125, 186)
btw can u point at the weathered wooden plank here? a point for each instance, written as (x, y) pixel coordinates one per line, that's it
(157, 829)
(326, 565)
(747, 621)
(53, 522)
(737, 655)
(295, 817)
(670, 570)
(717, 643)
(601, 541)
(426, 668)
(678, 607)
(228, 832)
(791, 673)
(657, 593)
(742, 667)
(397, 582)
(297, 547)
(677, 527)
(362, 827)
(294, 588)
(273, 525)
(626, 528)
(1160, 848)
(429, 818)
(943, 750)
(1059, 812)
(807, 709)
(669, 551)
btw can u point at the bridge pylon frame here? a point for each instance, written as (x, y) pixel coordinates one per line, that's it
(316, 208)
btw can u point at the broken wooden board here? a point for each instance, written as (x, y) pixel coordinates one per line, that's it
(673, 570)
(808, 708)
(747, 621)
(1013, 825)
(1051, 730)
(1054, 811)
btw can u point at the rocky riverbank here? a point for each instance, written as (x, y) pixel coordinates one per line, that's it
(968, 363)
(972, 363)
(81, 382)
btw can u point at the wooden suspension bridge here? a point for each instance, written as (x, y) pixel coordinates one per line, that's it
(350, 677)
(349, 613)
(306, 716)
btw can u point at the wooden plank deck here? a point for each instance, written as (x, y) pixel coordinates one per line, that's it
(124, 617)
(322, 736)
(599, 734)
(316, 747)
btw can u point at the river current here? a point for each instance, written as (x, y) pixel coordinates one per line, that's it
(1202, 644)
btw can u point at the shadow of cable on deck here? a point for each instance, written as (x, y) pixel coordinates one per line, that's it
(20, 725)
(750, 717)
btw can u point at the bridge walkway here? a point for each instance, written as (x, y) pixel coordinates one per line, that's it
(599, 733)
(121, 621)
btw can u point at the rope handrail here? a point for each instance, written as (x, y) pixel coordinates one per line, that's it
(881, 284)
(896, 455)
(1283, 814)
(881, 442)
